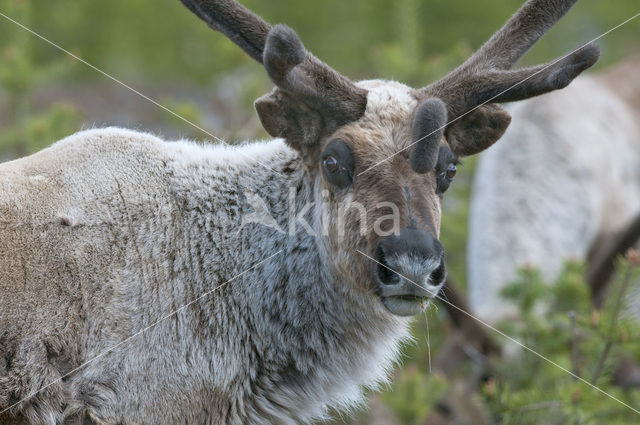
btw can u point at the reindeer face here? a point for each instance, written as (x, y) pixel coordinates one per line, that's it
(380, 207)
(388, 149)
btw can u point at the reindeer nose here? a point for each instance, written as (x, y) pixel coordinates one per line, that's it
(410, 270)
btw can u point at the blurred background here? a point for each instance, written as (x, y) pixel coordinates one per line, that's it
(159, 48)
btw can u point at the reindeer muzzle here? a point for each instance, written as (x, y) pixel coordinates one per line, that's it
(410, 271)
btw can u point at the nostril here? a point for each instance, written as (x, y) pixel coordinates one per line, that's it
(387, 277)
(438, 275)
(385, 274)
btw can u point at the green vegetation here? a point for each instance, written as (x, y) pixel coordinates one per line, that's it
(590, 343)
(24, 129)
(558, 322)
(158, 43)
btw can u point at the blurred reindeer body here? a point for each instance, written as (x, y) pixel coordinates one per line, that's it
(134, 291)
(570, 177)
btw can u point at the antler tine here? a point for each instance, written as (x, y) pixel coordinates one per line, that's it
(519, 34)
(428, 128)
(485, 76)
(498, 86)
(296, 71)
(238, 23)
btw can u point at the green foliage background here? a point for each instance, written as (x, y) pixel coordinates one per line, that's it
(158, 43)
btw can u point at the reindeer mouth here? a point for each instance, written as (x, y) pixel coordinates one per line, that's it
(407, 291)
(405, 305)
(400, 304)
(410, 298)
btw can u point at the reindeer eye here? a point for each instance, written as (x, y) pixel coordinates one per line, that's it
(451, 171)
(446, 168)
(445, 177)
(331, 164)
(338, 163)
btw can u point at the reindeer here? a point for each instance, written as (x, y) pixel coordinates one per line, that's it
(128, 294)
(568, 180)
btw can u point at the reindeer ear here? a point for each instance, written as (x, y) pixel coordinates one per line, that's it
(271, 114)
(477, 130)
(283, 116)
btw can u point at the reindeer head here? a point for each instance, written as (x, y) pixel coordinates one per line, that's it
(388, 148)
